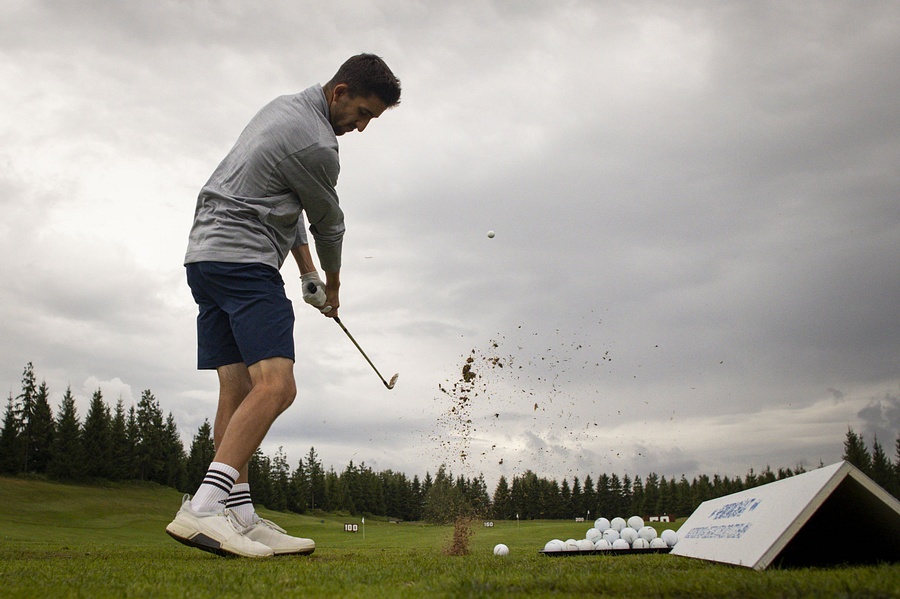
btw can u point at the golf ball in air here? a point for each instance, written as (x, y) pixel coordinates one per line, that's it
(501, 549)
(490, 234)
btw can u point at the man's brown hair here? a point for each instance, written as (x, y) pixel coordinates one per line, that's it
(366, 75)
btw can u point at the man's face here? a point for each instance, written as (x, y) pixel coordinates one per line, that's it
(352, 114)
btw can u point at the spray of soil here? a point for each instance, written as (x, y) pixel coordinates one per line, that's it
(509, 408)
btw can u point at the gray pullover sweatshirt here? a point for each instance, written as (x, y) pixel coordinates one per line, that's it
(285, 162)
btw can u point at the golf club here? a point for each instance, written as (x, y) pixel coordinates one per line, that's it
(311, 287)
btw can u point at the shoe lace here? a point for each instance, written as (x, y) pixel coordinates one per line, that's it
(271, 524)
(233, 520)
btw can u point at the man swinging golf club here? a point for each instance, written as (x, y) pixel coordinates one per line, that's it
(249, 217)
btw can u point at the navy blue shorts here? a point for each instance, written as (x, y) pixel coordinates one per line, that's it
(244, 316)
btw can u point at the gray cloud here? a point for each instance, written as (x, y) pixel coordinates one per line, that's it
(705, 192)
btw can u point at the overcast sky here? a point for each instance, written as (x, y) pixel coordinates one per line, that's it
(696, 266)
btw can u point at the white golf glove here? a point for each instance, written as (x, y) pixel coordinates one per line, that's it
(313, 298)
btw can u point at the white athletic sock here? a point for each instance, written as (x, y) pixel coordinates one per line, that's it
(214, 489)
(240, 503)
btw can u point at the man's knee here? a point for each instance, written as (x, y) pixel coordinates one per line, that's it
(275, 378)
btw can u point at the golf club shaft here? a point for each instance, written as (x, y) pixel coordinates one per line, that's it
(341, 324)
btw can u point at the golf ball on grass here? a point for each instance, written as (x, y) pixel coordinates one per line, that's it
(629, 534)
(648, 533)
(490, 234)
(501, 549)
(669, 536)
(611, 535)
(554, 545)
(601, 524)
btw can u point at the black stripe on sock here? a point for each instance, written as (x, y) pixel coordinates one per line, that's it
(220, 480)
(237, 503)
(221, 474)
(239, 498)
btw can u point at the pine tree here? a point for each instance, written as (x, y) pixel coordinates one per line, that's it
(564, 502)
(10, 441)
(896, 485)
(637, 506)
(578, 505)
(856, 453)
(685, 504)
(605, 504)
(174, 460)
(133, 447)
(41, 429)
(96, 438)
(121, 449)
(332, 495)
(152, 451)
(616, 494)
(550, 500)
(298, 495)
(280, 481)
(259, 470)
(882, 469)
(444, 502)
(316, 480)
(203, 450)
(66, 452)
(25, 414)
(590, 498)
(651, 495)
(502, 507)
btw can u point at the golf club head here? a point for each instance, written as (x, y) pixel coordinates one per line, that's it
(393, 381)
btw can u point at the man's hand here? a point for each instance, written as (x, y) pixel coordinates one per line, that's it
(314, 290)
(332, 295)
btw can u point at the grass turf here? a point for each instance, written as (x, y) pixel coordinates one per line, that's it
(109, 541)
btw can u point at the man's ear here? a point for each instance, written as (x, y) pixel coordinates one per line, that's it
(339, 91)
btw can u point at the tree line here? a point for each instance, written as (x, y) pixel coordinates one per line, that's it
(140, 444)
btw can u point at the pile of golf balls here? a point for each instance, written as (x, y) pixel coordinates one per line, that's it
(617, 533)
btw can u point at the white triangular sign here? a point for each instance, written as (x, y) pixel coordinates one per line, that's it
(827, 516)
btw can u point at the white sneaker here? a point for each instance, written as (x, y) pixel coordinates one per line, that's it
(216, 532)
(271, 535)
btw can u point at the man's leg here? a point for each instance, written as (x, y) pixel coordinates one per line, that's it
(272, 392)
(235, 385)
(217, 485)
